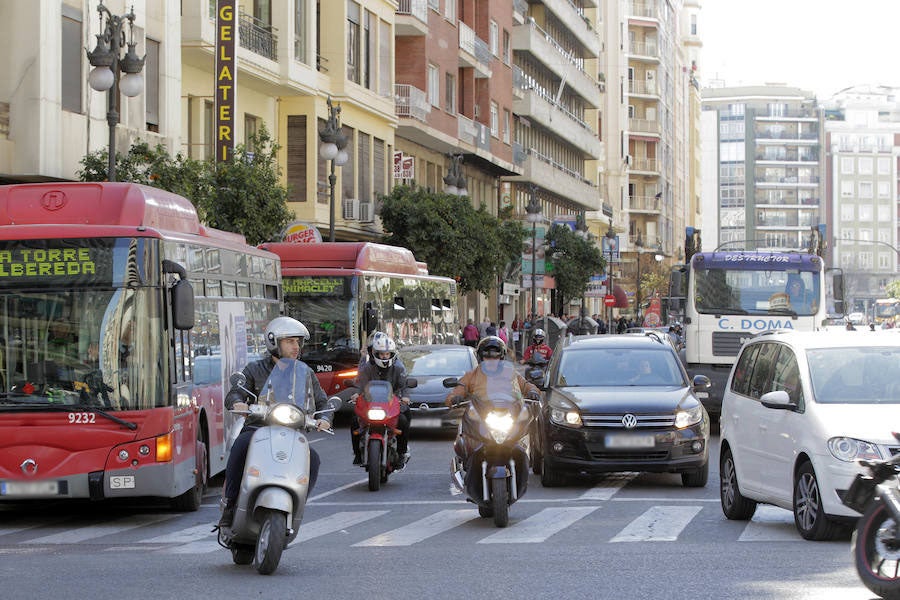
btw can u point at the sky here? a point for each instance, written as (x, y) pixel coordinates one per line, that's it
(819, 45)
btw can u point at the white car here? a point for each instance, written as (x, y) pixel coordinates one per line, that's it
(798, 411)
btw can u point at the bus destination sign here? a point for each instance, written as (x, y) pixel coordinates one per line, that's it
(314, 286)
(47, 262)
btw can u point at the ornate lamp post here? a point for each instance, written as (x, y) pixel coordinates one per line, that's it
(454, 180)
(108, 63)
(533, 210)
(611, 240)
(334, 142)
(582, 231)
(640, 252)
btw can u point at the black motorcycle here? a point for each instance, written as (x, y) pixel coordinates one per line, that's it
(875, 544)
(491, 452)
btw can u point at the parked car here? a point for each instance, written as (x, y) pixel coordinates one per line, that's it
(430, 365)
(621, 403)
(799, 409)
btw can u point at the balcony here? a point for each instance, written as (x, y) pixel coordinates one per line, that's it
(645, 204)
(574, 19)
(520, 11)
(539, 105)
(545, 172)
(644, 51)
(474, 52)
(411, 18)
(411, 102)
(644, 166)
(646, 10)
(645, 126)
(565, 65)
(257, 37)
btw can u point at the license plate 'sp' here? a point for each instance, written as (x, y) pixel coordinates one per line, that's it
(121, 482)
(29, 488)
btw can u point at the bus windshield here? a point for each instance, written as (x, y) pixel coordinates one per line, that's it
(757, 292)
(323, 305)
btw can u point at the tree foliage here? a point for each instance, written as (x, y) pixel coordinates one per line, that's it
(573, 260)
(449, 234)
(243, 196)
(892, 289)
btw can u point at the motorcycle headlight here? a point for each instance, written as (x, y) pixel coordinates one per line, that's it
(288, 415)
(376, 414)
(687, 417)
(499, 424)
(850, 449)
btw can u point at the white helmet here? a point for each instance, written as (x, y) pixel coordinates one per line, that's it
(538, 336)
(384, 350)
(284, 327)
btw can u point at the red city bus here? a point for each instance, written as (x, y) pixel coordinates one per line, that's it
(121, 319)
(344, 291)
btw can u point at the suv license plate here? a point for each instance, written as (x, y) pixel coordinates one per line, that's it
(630, 441)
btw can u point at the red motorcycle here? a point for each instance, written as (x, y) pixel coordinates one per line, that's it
(378, 409)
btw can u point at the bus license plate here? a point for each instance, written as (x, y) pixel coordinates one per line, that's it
(121, 482)
(29, 488)
(630, 441)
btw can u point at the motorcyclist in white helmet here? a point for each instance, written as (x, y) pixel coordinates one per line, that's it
(384, 364)
(537, 346)
(284, 339)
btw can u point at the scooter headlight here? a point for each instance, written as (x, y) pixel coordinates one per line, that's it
(499, 424)
(288, 415)
(376, 414)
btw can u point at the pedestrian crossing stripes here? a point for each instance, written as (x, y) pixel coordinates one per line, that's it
(628, 522)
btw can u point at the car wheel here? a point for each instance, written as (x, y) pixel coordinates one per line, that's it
(549, 477)
(697, 477)
(735, 506)
(809, 512)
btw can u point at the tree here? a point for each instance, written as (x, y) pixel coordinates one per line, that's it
(455, 239)
(892, 289)
(242, 196)
(573, 260)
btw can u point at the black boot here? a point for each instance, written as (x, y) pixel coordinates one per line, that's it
(357, 458)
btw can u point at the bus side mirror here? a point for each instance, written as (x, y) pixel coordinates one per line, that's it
(370, 319)
(183, 305)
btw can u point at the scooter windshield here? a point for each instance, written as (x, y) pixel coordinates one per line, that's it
(379, 392)
(501, 386)
(288, 382)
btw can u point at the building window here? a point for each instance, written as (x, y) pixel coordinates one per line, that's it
(300, 32)
(494, 38)
(450, 10)
(385, 66)
(865, 189)
(847, 165)
(251, 126)
(296, 157)
(847, 212)
(506, 47)
(434, 86)
(495, 119)
(72, 80)
(450, 93)
(369, 50)
(363, 166)
(151, 89)
(865, 165)
(209, 129)
(353, 67)
(506, 126)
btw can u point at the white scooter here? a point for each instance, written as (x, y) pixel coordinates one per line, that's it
(275, 482)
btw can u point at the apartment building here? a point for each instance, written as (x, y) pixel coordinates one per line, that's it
(765, 155)
(862, 142)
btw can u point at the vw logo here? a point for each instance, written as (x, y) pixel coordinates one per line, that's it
(29, 467)
(629, 421)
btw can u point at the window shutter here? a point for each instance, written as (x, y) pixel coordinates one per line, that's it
(296, 157)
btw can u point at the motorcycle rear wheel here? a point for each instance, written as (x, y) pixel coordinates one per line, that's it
(271, 541)
(876, 551)
(500, 498)
(373, 454)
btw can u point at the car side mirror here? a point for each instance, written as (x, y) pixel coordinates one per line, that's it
(412, 382)
(450, 382)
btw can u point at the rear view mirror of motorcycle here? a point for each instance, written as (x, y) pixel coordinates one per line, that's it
(332, 405)
(450, 382)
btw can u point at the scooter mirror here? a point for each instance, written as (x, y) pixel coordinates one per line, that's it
(238, 379)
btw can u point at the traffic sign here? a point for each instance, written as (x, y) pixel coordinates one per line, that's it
(609, 300)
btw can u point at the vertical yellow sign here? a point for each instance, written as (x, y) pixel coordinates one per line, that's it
(226, 75)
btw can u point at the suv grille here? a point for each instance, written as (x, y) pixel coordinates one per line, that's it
(614, 421)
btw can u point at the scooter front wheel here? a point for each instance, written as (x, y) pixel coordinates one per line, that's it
(500, 498)
(373, 454)
(271, 541)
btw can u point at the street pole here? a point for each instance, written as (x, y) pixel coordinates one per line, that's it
(332, 148)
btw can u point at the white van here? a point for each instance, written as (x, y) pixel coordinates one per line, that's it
(798, 411)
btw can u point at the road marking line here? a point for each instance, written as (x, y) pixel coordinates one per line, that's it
(422, 529)
(182, 536)
(336, 490)
(607, 488)
(658, 524)
(87, 532)
(537, 528)
(770, 524)
(335, 522)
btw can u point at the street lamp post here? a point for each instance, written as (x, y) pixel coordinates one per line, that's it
(108, 63)
(582, 231)
(640, 252)
(454, 180)
(334, 141)
(610, 236)
(533, 209)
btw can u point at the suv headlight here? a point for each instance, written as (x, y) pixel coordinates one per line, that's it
(850, 449)
(689, 416)
(564, 414)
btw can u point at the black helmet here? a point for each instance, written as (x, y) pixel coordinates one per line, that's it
(491, 347)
